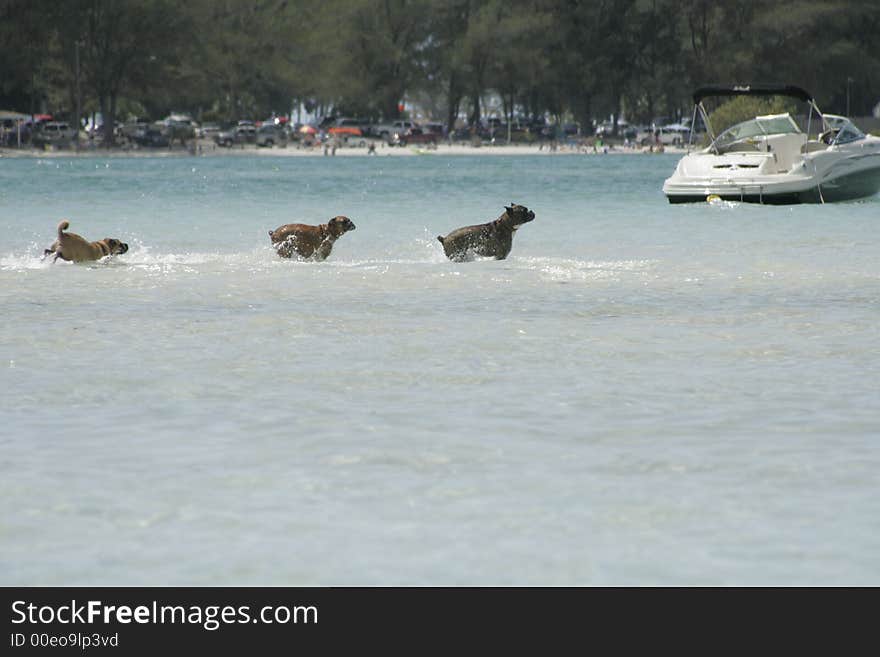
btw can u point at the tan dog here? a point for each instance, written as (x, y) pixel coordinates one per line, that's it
(491, 240)
(73, 248)
(316, 242)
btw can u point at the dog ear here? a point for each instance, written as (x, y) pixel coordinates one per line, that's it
(509, 208)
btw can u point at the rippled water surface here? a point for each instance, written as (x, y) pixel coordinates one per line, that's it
(641, 394)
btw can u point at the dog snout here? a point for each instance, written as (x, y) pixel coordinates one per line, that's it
(526, 216)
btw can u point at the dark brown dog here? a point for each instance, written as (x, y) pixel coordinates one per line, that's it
(73, 248)
(492, 240)
(304, 241)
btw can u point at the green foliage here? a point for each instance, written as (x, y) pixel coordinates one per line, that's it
(130, 109)
(578, 59)
(743, 108)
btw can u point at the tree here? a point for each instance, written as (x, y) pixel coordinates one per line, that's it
(828, 47)
(659, 79)
(575, 64)
(126, 47)
(24, 36)
(520, 63)
(373, 53)
(246, 65)
(572, 58)
(446, 66)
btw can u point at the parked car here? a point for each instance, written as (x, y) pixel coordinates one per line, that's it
(152, 137)
(414, 136)
(435, 128)
(669, 135)
(14, 132)
(53, 132)
(241, 134)
(132, 129)
(500, 131)
(387, 130)
(346, 122)
(345, 128)
(270, 135)
(182, 130)
(208, 130)
(605, 129)
(471, 133)
(635, 132)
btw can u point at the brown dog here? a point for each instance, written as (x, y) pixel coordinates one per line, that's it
(73, 248)
(491, 240)
(316, 242)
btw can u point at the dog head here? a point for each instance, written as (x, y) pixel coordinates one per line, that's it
(518, 215)
(340, 225)
(114, 246)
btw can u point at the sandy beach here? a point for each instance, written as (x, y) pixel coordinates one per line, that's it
(207, 148)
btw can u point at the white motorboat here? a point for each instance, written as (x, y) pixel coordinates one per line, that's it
(771, 159)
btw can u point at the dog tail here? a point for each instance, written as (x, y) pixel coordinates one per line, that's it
(64, 225)
(440, 239)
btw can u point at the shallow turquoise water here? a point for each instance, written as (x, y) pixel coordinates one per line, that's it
(641, 394)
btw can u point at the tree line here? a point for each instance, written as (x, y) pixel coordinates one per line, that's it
(575, 60)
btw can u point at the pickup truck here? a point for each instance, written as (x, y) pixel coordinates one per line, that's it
(269, 135)
(387, 131)
(152, 136)
(53, 132)
(413, 136)
(240, 134)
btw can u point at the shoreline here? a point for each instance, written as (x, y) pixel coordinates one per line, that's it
(209, 149)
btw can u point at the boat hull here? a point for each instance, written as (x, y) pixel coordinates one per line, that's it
(845, 188)
(823, 178)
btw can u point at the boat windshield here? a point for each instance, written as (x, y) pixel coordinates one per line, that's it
(843, 130)
(774, 124)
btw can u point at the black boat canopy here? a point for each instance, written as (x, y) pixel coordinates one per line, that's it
(752, 90)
